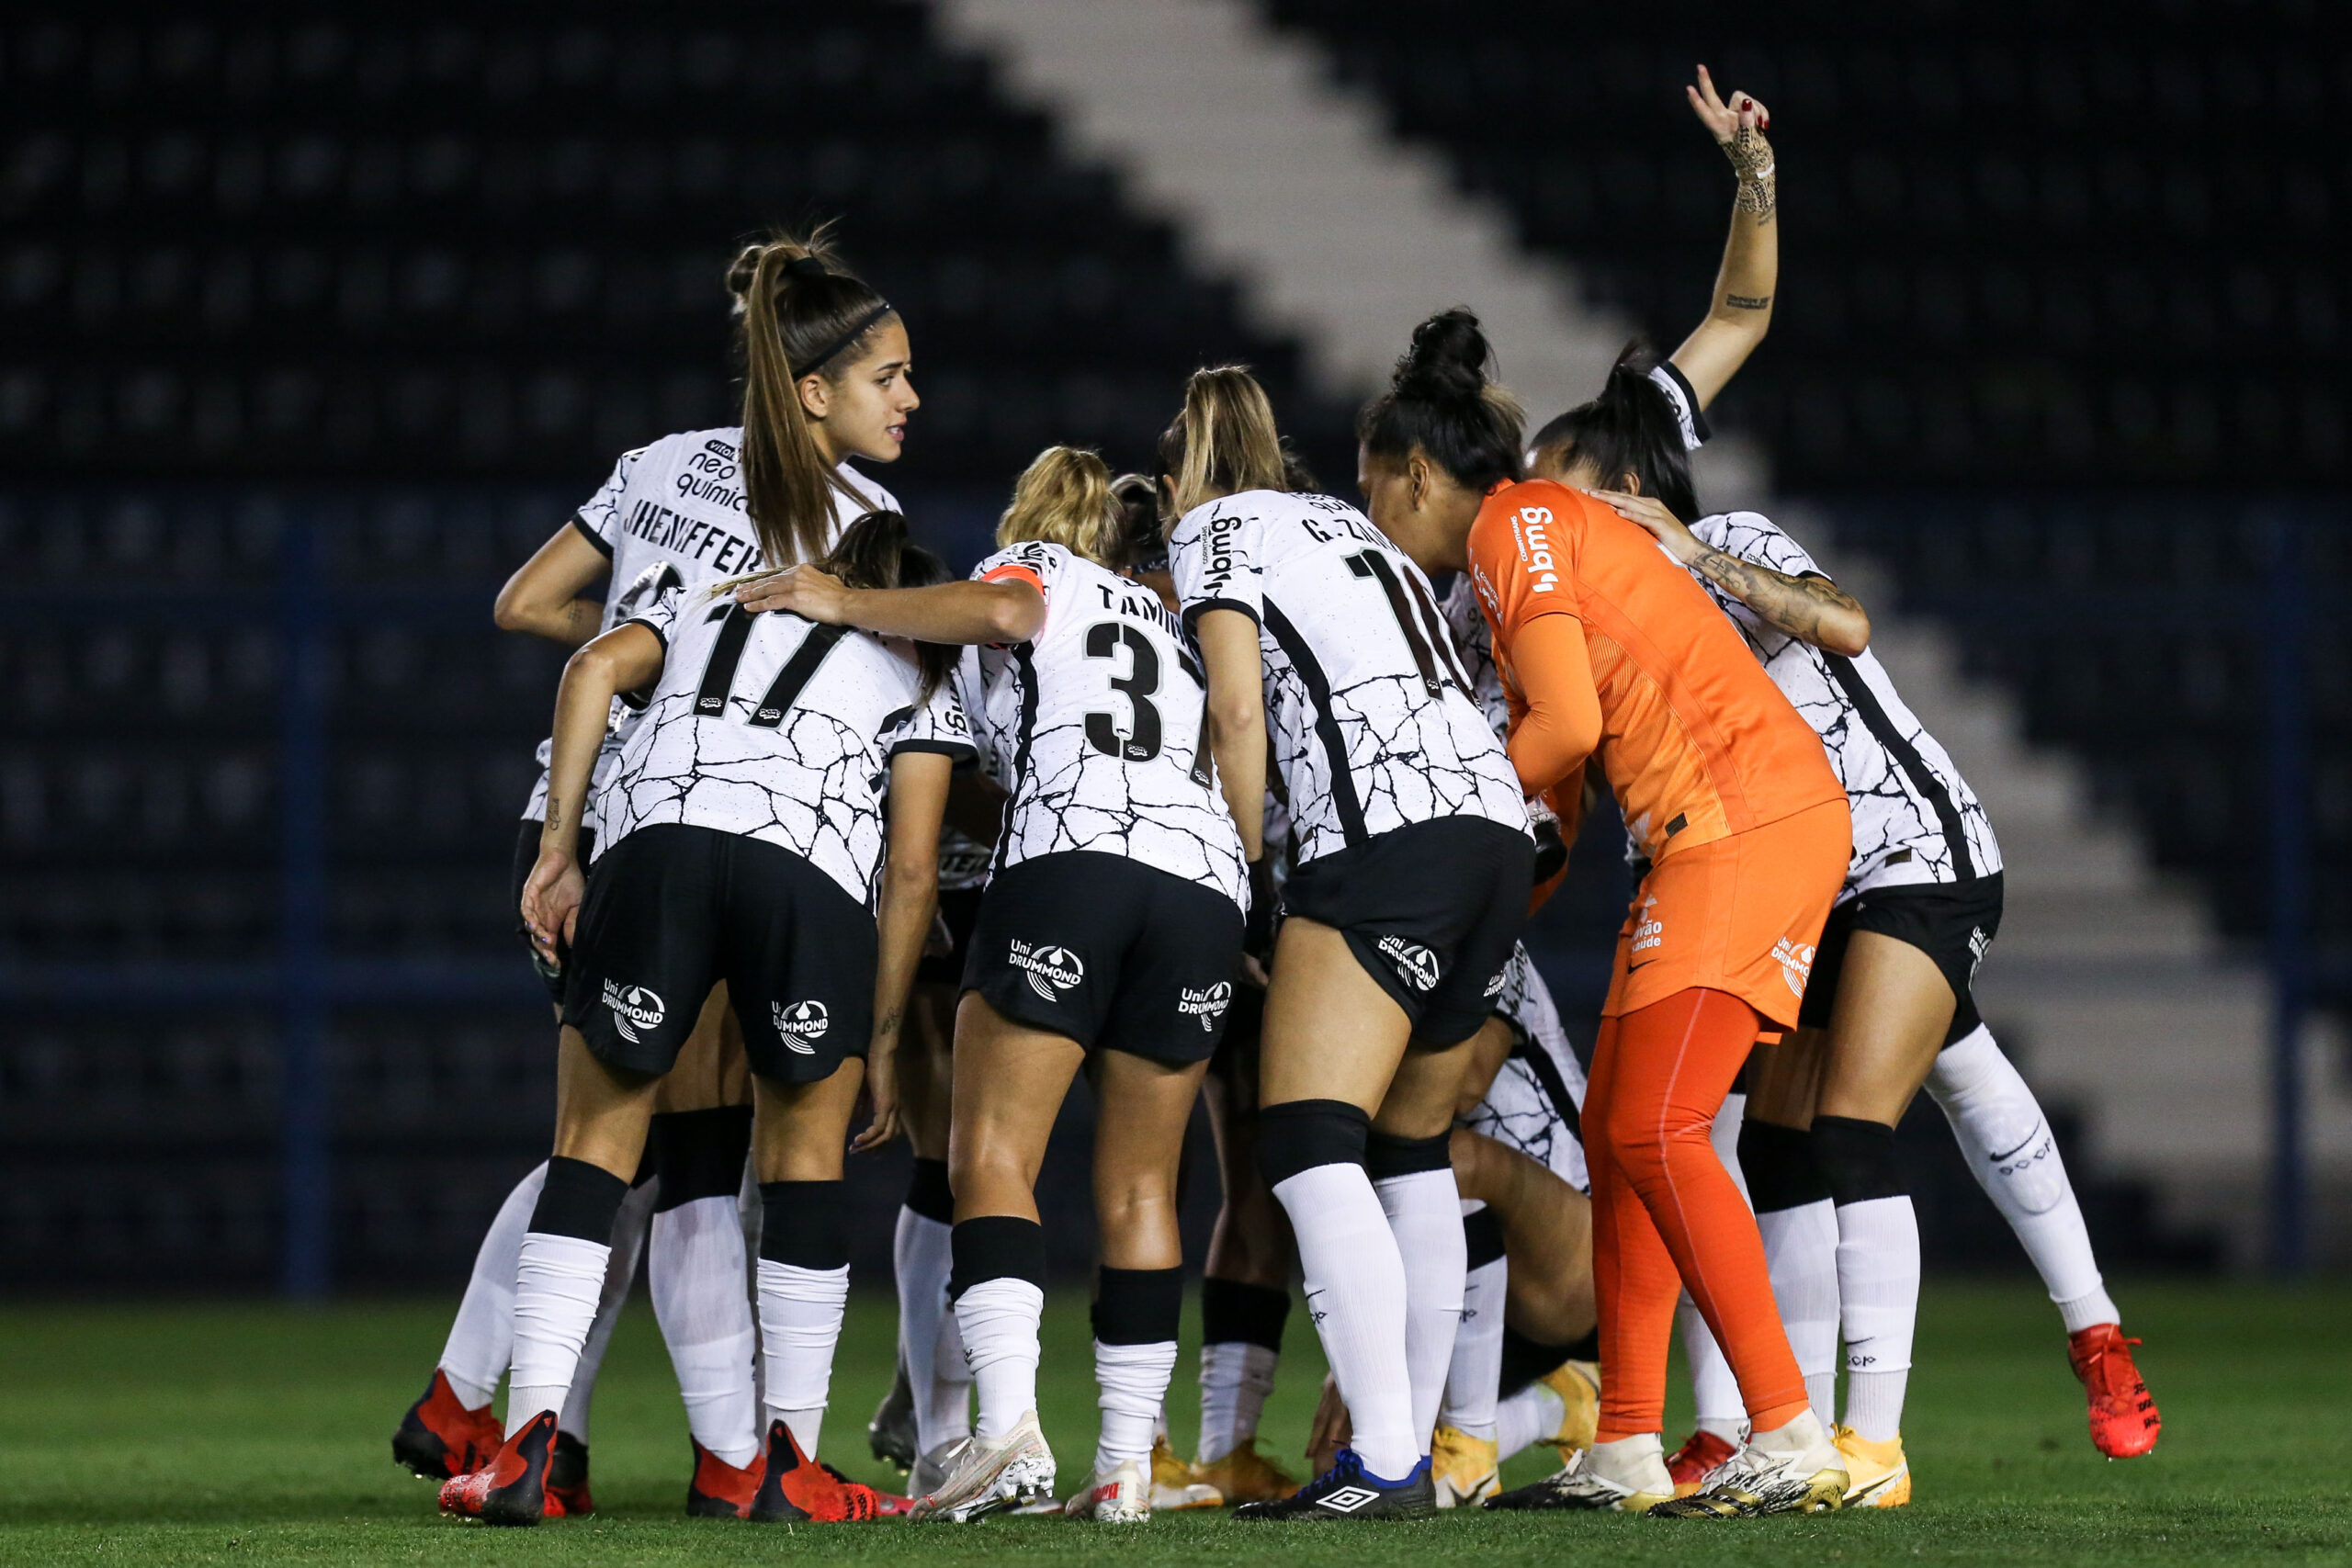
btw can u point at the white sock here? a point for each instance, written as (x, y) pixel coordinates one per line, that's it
(1355, 1289)
(482, 1337)
(1236, 1378)
(1134, 1383)
(2009, 1149)
(948, 1413)
(695, 1276)
(1878, 1294)
(558, 1280)
(1638, 1461)
(1724, 1135)
(1801, 1250)
(800, 1323)
(1714, 1390)
(999, 1320)
(1424, 1214)
(621, 1274)
(1474, 1377)
(1526, 1419)
(921, 1256)
(1804, 1431)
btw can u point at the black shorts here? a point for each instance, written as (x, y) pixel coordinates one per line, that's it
(673, 910)
(1108, 952)
(1431, 910)
(959, 909)
(527, 855)
(1952, 923)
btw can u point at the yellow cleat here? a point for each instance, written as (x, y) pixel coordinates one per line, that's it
(1578, 1385)
(1877, 1475)
(1465, 1471)
(1175, 1487)
(1245, 1475)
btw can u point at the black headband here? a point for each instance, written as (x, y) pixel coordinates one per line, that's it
(856, 331)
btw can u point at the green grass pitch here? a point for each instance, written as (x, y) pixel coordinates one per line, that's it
(253, 1435)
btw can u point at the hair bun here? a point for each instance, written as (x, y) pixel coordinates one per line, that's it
(1447, 361)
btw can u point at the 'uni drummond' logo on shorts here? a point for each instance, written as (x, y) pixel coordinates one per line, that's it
(1795, 959)
(1051, 970)
(1415, 965)
(800, 1025)
(1208, 1005)
(634, 1007)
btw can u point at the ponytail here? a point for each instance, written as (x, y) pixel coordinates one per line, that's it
(1144, 540)
(1064, 497)
(1630, 431)
(1224, 441)
(799, 314)
(1444, 402)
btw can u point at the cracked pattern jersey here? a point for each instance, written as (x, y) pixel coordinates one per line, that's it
(1094, 726)
(1915, 817)
(672, 516)
(773, 728)
(1373, 722)
(1536, 1103)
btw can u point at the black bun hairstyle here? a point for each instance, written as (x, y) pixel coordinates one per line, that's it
(1444, 402)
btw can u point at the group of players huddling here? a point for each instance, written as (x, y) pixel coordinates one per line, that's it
(1198, 785)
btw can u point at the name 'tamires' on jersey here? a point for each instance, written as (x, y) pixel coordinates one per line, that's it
(1094, 726)
(775, 727)
(1915, 817)
(1374, 724)
(671, 515)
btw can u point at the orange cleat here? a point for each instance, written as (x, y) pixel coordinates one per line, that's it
(793, 1488)
(2124, 1423)
(719, 1490)
(440, 1438)
(513, 1488)
(1700, 1453)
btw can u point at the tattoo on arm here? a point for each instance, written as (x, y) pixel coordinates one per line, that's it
(1794, 604)
(1751, 160)
(1749, 301)
(889, 1024)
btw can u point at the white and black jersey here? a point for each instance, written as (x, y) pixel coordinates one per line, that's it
(1536, 1103)
(1093, 727)
(1373, 722)
(773, 728)
(963, 860)
(672, 516)
(1916, 821)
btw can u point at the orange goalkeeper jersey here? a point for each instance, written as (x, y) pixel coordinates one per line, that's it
(1696, 740)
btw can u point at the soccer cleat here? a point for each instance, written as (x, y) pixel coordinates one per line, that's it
(891, 1433)
(1577, 1487)
(1122, 1497)
(568, 1497)
(793, 1488)
(1877, 1475)
(1757, 1481)
(1245, 1475)
(1700, 1453)
(1578, 1385)
(1175, 1487)
(1348, 1491)
(930, 1473)
(986, 1477)
(721, 1490)
(512, 1488)
(2124, 1423)
(1463, 1471)
(440, 1438)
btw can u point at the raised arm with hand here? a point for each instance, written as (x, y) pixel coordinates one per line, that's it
(1005, 612)
(1811, 609)
(1741, 310)
(626, 659)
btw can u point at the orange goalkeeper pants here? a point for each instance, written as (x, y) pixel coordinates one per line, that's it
(1667, 1216)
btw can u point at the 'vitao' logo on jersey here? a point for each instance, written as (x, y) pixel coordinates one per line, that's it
(800, 1025)
(1207, 1005)
(1535, 547)
(1051, 970)
(1795, 959)
(1415, 965)
(633, 1008)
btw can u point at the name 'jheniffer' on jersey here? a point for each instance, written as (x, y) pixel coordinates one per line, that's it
(1093, 727)
(1373, 722)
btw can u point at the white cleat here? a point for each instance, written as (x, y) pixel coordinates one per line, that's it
(987, 1477)
(1795, 1469)
(930, 1473)
(1122, 1497)
(1579, 1486)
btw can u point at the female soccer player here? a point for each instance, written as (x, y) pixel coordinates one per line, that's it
(828, 361)
(1613, 656)
(1109, 938)
(1410, 871)
(1890, 1006)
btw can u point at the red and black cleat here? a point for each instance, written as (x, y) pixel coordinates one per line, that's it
(1699, 1454)
(719, 1490)
(440, 1438)
(793, 1488)
(2124, 1423)
(568, 1496)
(513, 1488)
